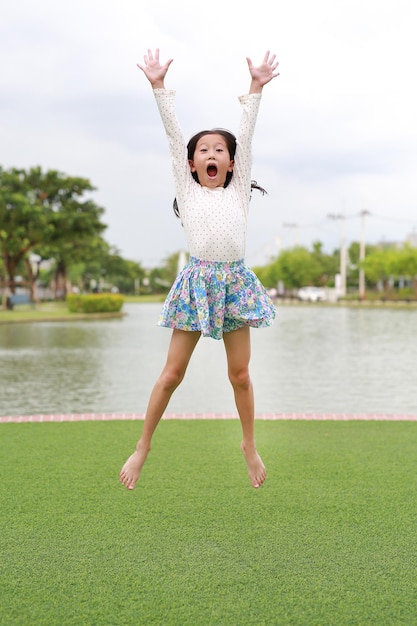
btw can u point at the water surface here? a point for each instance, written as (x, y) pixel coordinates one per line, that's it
(313, 359)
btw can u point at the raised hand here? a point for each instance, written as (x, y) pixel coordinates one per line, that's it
(153, 70)
(264, 73)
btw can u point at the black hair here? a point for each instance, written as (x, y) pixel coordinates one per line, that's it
(231, 146)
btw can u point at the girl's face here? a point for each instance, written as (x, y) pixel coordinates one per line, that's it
(211, 161)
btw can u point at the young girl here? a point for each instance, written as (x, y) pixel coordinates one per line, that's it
(215, 295)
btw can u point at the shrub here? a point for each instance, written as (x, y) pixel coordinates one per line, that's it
(95, 303)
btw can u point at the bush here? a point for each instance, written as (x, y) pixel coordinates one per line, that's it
(95, 303)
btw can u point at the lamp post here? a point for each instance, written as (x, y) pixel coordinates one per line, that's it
(363, 214)
(341, 218)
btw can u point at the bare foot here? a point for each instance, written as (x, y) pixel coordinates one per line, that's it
(256, 468)
(131, 470)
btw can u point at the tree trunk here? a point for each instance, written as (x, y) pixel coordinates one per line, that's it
(32, 281)
(60, 287)
(10, 265)
(4, 293)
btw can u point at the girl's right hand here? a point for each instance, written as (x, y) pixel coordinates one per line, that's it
(153, 70)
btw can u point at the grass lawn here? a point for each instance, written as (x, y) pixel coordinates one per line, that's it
(330, 539)
(50, 311)
(47, 311)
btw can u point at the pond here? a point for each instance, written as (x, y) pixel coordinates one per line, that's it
(313, 359)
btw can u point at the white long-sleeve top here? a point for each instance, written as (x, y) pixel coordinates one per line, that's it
(214, 220)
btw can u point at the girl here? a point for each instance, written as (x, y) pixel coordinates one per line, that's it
(215, 295)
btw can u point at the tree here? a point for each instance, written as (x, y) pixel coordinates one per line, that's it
(124, 274)
(161, 278)
(45, 212)
(298, 267)
(112, 270)
(404, 264)
(378, 267)
(23, 222)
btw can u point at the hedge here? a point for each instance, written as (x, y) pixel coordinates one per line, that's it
(94, 303)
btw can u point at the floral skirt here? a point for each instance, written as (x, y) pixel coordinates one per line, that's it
(216, 297)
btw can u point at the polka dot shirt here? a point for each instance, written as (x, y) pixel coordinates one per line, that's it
(214, 220)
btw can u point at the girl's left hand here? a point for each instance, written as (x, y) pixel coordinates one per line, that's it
(266, 71)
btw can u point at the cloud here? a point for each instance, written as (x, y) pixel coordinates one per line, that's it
(336, 132)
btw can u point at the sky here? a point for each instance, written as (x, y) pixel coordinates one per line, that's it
(336, 136)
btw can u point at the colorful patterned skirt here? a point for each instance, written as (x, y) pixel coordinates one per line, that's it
(216, 297)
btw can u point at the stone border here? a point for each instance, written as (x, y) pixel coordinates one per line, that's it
(87, 417)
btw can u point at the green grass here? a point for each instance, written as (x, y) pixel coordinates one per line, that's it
(145, 299)
(58, 311)
(50, 311)
(331, 538)
(47, 311)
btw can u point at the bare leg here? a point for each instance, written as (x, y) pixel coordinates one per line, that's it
(237, 344)
(179, 353)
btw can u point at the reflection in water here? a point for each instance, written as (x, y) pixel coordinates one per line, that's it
(43, 366)
(312, 359)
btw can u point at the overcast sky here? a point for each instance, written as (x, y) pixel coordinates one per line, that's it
(336, 133)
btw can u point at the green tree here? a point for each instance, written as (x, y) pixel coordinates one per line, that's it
(404, 264)
(76, 223)
(297, 267)
(46, 213)
(161, 278)
(122, 273)
(354, 262)
(23, 222)
(378, 267)
(105, 266)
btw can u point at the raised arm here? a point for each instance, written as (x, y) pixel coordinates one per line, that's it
(153, 70)
(262, 74)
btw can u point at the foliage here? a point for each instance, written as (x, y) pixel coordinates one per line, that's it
(49, 216)
(94, 303)
(297, 267)
(161, 278)
(122, 273)
(103, 265)
(46, 213)
(391, 265)
(378, 265)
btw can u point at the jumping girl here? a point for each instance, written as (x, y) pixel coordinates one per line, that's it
(215, 295)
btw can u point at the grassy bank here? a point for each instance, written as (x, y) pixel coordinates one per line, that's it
(329, 539)
(48, 311)
(58, 311)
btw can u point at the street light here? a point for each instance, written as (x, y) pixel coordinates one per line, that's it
(341, 218)
(363, 214)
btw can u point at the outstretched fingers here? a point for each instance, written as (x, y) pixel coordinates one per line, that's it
(266, 71)
(150, 56)
(152, 68)
(271, 62)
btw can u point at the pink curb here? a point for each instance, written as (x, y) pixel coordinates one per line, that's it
(88, 417)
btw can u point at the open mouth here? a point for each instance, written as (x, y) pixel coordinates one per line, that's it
(212, 171)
